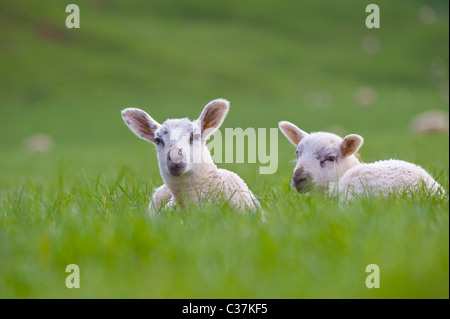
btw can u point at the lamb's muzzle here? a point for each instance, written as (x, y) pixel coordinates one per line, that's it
(176, 169)
(301, 180)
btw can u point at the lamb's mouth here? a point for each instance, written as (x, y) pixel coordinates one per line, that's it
(176, 169)
(303, 185)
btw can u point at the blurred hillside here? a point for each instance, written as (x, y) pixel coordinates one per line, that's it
(312, 62)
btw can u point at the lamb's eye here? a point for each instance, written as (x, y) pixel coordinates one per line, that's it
(327, 159)
(296, 152)
(191, 138)
(195, 137)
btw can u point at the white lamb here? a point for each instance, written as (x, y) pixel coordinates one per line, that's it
(185, 163)
(329, 162)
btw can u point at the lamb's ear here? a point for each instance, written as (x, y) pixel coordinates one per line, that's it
(212, 116)
(292, 132)
(351, 144)
(140, 123)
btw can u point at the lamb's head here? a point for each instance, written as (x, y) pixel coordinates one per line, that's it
(321, 157)
(180, 143)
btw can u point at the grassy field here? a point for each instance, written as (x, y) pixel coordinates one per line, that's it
(313, 63)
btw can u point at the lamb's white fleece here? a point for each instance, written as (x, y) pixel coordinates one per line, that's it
(388, 176)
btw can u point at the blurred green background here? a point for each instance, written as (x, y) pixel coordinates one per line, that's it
(310, 62)
(305, 61)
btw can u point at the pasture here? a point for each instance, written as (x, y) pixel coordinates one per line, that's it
(80, 194)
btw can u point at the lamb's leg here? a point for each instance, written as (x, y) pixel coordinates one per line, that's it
(171, 203)
(160, 197)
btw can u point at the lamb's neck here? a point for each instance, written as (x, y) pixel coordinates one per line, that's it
(352, 162)
(195, 182)
(347, 164)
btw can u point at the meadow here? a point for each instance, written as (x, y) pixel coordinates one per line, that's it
(84, 199)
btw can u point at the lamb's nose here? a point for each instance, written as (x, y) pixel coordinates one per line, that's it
(301, 180)
(298, 176)
(175, 155)
(175, 164)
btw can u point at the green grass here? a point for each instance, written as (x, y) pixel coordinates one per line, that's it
(308, 246)
(85, 201)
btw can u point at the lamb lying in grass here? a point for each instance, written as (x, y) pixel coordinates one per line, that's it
(330, 163)
(185, 163)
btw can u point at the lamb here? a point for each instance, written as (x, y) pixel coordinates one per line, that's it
(331, 163)
(185, 163)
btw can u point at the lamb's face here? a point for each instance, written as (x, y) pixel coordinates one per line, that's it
(180, 143)
(321, 157)
(319, 160)
(179, 146)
